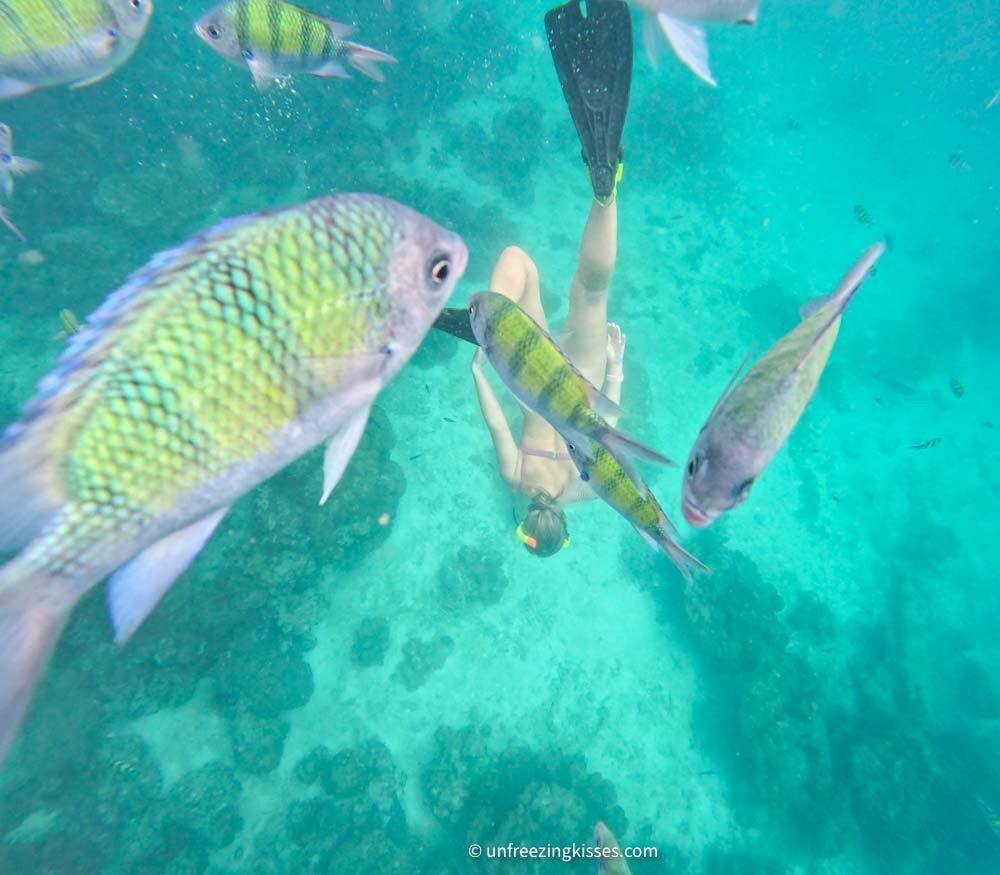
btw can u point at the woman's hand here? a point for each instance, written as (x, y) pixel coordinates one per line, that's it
(616, 346)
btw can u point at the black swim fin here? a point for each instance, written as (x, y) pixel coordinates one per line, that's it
(455, 320)
(593, 57)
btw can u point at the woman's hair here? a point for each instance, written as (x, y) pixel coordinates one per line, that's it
(543, 529)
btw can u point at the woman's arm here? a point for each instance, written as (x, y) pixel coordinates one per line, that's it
(508, 454)
(614, 375)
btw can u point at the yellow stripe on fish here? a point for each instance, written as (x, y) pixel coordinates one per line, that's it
(543, 378)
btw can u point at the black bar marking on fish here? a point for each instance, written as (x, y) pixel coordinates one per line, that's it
(957, 389)
(17, 24)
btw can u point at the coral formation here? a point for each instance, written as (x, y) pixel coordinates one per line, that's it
(474, 576)
(421, 658)
(371, 641)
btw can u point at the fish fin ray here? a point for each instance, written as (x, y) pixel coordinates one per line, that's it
(689, 43)
(33, 612)
(20, 166)
(137, 587)
(341, 449)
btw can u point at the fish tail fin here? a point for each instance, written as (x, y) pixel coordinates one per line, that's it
(618, 443)
(841, 296)
(33, 612)
(685, 562)
(363, 59)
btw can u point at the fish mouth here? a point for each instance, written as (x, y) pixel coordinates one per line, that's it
(695, 516)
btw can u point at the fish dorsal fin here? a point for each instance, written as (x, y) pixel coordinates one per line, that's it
(689, 43)
(733, 380)
(840, 298)
(338, 29)
(813, 306)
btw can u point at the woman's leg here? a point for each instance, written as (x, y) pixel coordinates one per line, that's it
(587, 319)
(515, 276)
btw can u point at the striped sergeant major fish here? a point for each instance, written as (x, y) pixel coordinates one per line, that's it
(55, 42)
(276, 40)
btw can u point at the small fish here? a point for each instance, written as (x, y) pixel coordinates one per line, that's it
(861, 214)
(625, 492)
(447, 419)
(277, 39)
(679, 21)
(69, 41)
(12, 165)
(5, 218)
(544, 380)
(70, 324)
(122, 767)
(957, 161)
(957, 389)
(757, 412)
(610, 859)
(927, 445)
(993, 101)
(211, 369)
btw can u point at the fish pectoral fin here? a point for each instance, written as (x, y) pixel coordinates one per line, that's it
(21, 166)
(136, 588)
(332, 70)
(689, 43)
(91, 80)
(263, 75)
(340, 449)
(620, 444)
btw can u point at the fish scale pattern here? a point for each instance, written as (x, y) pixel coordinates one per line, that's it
(211, 349)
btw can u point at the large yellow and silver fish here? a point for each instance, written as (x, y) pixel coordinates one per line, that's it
(54, 42)
(610, 860)
(624, 491)
(277, 39)
(544, 379)
(755, 415)
(214, 367)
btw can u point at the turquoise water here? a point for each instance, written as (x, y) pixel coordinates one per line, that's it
(373, 685)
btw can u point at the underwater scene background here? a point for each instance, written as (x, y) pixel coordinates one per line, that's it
(372, 685)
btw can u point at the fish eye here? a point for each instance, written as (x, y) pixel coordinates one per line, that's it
(213, 31)
(692, 466)
(136, 4)
(113, 33)
(439, 269)
(584, 476)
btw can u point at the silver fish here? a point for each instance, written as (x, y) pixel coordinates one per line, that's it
(12, 165)
(755, 414)
(679, 21)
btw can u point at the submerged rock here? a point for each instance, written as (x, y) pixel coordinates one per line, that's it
(421, 658)
(205, 803)
(371, 641)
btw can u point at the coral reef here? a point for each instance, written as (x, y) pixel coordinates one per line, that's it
(258, 742)
(474, 576)
(421, 658)
(204, 804)
(371, 641)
